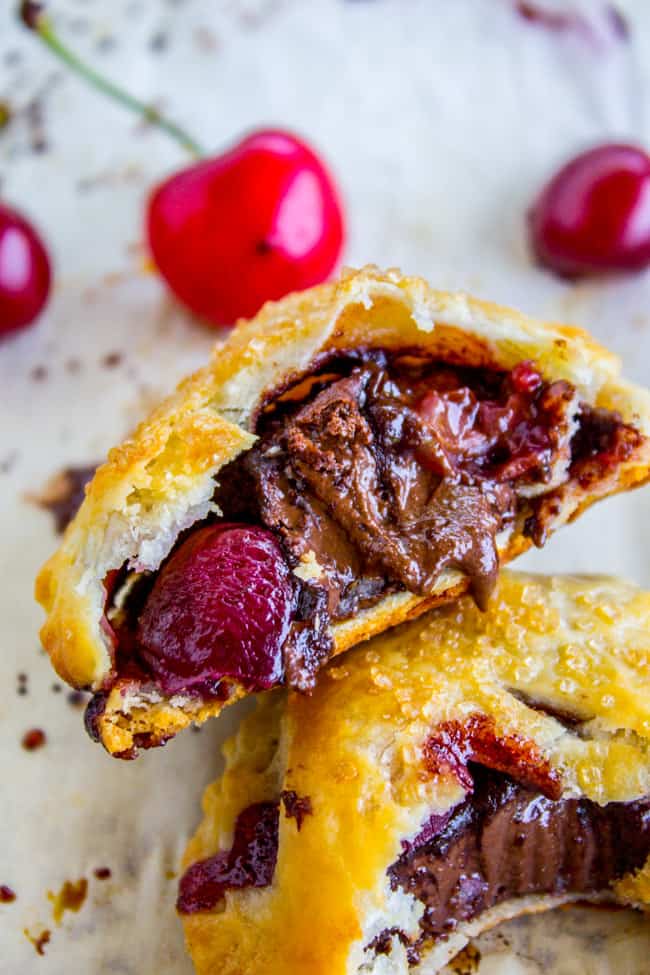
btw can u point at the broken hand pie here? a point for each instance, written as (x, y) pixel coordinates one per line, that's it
(353, 456)
(460, 770)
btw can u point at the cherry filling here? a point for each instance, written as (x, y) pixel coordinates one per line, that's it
(220, 607)
(373, 475)
(250, 862)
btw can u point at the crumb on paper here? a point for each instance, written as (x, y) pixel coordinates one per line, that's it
(112, 359)
(71, 897)
(33, 739)
(38, 374)
(77, 699)
(159, 42)
(38, 940)
(7, 895)
(5, 114)
(8, 462)
(102, 873)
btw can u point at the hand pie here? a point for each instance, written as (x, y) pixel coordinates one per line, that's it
(459, 770)
(353, 456)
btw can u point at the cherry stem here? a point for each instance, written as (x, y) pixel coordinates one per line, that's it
(33, 16)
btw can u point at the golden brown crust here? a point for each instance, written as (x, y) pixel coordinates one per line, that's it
(356, 749)
(162, 478)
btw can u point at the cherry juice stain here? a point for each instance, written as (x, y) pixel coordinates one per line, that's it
(63, 494)
(71, 897)
(33, 739)
(102, 873)
(7, 895)
(38, 940)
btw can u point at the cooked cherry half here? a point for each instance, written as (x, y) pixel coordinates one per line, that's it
(220, 607)
(593, 216)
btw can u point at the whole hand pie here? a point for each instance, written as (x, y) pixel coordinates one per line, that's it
(459, 770)
(352, 457)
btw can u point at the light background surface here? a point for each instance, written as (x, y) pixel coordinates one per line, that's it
(440, 119)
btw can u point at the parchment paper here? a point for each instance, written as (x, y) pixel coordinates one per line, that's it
(440, 120)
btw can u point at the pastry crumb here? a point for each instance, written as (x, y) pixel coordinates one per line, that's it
(309, 568)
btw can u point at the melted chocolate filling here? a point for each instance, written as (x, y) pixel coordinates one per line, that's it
(386, 470)
(505, 841)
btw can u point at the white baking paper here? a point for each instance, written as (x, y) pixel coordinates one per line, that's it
(440, 119)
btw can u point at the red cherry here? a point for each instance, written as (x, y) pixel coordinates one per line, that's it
(25, 274)
(232, 232)
(594, 214)
(220, 606)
